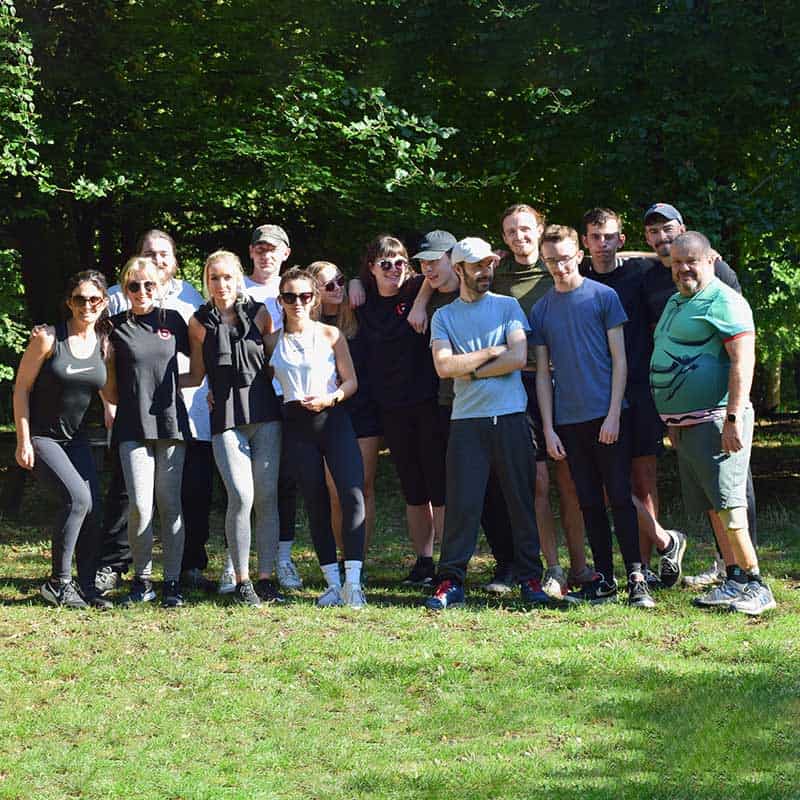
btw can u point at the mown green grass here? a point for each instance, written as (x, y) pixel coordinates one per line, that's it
(493, 701)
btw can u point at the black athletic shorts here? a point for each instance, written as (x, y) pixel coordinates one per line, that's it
(645, 428)
(417, 441)
(534, 415)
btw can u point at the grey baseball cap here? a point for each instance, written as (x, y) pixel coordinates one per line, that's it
(435, 245)
(665, 210)
(273, 234)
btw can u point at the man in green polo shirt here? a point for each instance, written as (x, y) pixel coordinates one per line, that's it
(701, 372)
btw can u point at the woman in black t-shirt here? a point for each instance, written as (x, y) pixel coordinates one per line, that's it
(151, 426)
(405, 385)
(227, 343)
(63, 366)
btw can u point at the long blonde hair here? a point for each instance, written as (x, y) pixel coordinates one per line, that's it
(232, 261)
(346, 320)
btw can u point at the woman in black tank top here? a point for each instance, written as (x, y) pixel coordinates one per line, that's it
(63, 366)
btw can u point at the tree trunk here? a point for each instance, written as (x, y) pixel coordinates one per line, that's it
(772, 385)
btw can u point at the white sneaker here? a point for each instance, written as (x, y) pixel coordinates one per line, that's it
(353, 595)
(288, 576)
(331, 597)
(554, 583)
(227, 583)
(721, 596)
(714, 575)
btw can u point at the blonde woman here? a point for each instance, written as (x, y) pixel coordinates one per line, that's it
(227, 344)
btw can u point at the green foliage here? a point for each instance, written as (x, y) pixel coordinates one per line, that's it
(14, 325)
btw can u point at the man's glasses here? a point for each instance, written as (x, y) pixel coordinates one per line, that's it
(559, 262)
(331, 286)
(290, 298)
(82, 301)
(135, 286)
(386, 264)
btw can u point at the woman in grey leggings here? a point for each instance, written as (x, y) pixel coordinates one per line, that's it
(227, 344)
(151, 426)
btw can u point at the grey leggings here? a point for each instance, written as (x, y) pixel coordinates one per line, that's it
(247, 459)
(154, 464)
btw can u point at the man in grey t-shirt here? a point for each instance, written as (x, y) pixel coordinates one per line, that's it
(480, 341)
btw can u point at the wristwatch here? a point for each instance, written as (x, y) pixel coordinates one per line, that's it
(731, 418)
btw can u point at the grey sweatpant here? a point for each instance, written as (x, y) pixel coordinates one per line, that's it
(155, 464)
(247, 459)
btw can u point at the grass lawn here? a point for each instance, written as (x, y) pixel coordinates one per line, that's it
(493, 701)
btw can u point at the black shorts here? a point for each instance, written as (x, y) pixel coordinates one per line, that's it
(365, 416)
(417, 440)
(534, 415)
(645, 428)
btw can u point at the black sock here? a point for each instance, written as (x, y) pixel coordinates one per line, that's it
(737, 574)
(425, 560)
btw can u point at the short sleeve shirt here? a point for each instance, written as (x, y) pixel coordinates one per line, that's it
(574, 326)
(468, 327)
(689, 368)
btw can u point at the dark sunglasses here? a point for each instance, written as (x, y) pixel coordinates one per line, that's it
(386, 263)
(331, 286)
(135, 286)
(81, 301)
(290, 298)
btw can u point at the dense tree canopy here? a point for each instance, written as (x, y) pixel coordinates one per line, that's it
(343, 118)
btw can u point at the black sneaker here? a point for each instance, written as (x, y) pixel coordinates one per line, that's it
(62, 594)
(638, 592)
(596, 591)
(422, 573)
(171, 596)
(96, 600)
(268, 591)
(672, 559)
(502, 581)
(194, 579)
(106, 580)
(246, 595)
(142, 591)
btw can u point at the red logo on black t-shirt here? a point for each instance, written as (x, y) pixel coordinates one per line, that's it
(400, 309)
(164, 333)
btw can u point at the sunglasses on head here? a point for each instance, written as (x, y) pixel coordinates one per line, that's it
(331, 286)
(387, 263)
(135, 286)
(81, 301)
(290, 298)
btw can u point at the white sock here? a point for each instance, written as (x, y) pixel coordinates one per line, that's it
(331, 573)
(285, 550)
(228, 561)
(352, 572)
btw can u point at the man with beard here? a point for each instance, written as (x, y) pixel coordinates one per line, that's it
(480, 340)
(701, 373)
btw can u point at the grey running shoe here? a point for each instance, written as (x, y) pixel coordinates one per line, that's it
(671, 561)
(62, 594)
(288, 576)
(756, 599)
(653, 581)
(554, 583)
(721, 596)
(245, 594)
(227, 583)
(353, 595)
(106, 580)
(714, 575)
(502, 581)
(638, 592)
(331, 597)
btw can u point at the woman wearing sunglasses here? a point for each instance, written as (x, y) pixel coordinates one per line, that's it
(227, 343)
(364, 413)
(61, 369)
(404, 384)
(151, 426)
(312, 364)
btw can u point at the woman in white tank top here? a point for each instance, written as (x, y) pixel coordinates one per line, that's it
(312, 363)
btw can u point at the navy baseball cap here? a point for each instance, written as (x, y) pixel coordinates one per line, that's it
(665, 210)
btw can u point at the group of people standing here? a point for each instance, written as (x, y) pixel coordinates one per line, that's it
(291, 379)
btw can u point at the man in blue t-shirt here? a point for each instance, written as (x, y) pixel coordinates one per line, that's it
(480, 341)
(577, 326)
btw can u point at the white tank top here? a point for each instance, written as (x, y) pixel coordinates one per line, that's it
(304, 364)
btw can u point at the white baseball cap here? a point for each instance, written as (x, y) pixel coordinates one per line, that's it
(472, 249)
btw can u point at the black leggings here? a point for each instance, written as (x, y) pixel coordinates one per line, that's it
(69, 469)
(310, 440)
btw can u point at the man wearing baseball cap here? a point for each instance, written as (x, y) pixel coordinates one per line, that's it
(480, 340)
(663, 223)
(269, 249)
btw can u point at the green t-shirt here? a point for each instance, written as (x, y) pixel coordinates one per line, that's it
(689, 366)
(527, 284)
